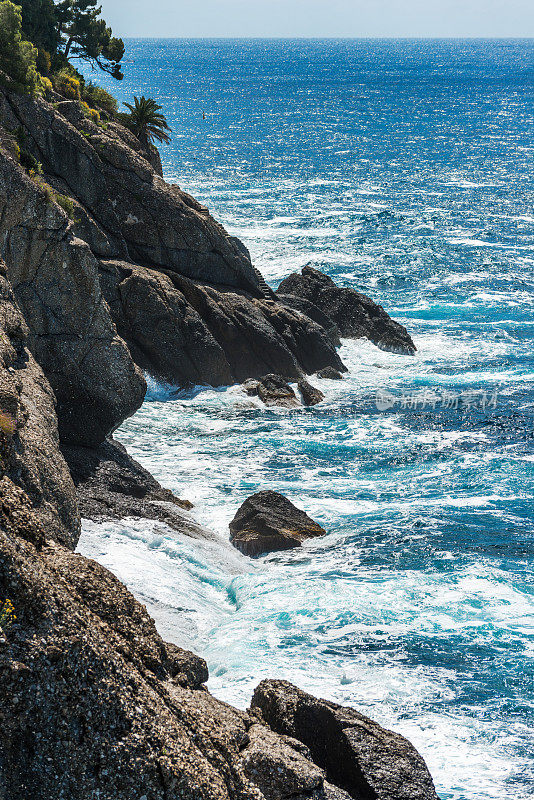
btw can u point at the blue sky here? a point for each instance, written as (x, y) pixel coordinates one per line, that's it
(320, 18)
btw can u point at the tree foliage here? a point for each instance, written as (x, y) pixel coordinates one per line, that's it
(146, 121)
(87, 37)
(40, 24)
(72, 29)
(17, 56)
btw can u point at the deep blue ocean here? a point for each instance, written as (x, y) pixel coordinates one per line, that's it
(404, 169)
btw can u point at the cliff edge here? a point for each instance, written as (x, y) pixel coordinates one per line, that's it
(106, 272)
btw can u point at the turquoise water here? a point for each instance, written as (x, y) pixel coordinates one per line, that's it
(404, 169)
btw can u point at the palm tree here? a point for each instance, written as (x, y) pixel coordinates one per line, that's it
(146, 121)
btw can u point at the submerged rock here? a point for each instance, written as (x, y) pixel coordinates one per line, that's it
(357, 754)
(355, 314)
(329, 373)
(267, 521)
(310, 394)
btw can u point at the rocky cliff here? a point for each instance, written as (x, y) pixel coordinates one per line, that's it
(108, 271)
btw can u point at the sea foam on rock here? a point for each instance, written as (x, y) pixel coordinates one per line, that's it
(355, 315)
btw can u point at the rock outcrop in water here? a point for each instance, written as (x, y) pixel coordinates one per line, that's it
(110, 271)
(357, 754)
(267, 521)
(355, 315)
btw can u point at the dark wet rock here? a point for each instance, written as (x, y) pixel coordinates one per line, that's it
(329, 373)
(185, 668)
(164, 333)
(357, 754)
(310, 394)
(313, 312)
(272, 390)
(355, 314)
(259, 336)
(29, 441)
(267, 521)
(185, 333)
(112, 485)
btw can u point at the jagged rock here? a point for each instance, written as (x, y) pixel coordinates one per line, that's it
(272, 390)
(56, 283)
(187, 669)
(29, 442)
(314, 313)
(111, 484)
(164, 333)
(310, 394)
(115, 711)
(259, 337)
(267, 521)
(355, 314)
(145, 220)
(330, 374)
(276, 768)
(356, 753)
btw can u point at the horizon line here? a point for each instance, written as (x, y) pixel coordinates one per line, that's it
(340, 38)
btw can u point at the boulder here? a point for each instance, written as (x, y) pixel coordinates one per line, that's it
(310, 395)
(355, 314)
(276, 768)
(272, 390)
(267, 521)
(166, 336)
(259, 336)
(357, 754)
(329, 373)
(310, 310)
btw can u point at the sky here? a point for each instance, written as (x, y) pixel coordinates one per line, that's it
(320, 18)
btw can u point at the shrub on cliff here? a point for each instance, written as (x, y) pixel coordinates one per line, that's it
(66, 84)
(97, 97)
(17, 57)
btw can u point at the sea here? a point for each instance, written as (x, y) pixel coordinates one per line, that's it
(404, 169)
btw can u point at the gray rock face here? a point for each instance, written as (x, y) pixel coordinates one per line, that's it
(56, 283)
(164, 333)
(29, 441)
(330, 374)
(145, 220)
(355, 314)
(268, 521)
(357, 754)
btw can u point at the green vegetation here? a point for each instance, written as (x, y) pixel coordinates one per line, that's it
(71, 29)
(66, 203)
(146, 121)
(7, 615)
(66, 84)
(17, 57)
(97, 97)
